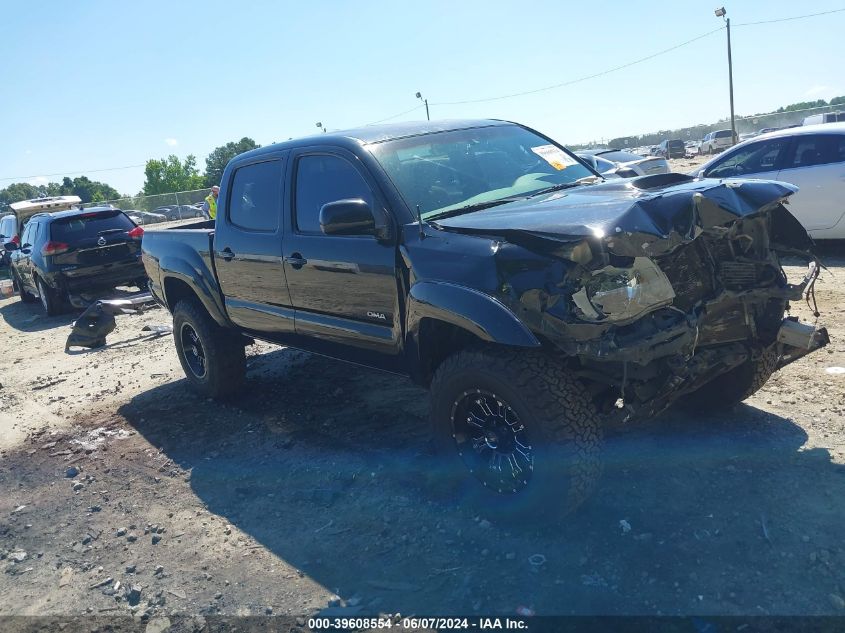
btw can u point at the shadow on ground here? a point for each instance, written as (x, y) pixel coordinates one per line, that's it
(30, 317)
(328, 466)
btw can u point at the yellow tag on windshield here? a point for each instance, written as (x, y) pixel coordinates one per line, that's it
(554, 156)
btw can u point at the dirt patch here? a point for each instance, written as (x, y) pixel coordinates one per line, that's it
(125, 493)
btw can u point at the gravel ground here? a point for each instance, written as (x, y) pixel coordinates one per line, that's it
(316, 492)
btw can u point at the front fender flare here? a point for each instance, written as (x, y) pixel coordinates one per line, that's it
(478, 313)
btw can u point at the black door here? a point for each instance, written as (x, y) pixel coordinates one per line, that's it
(343, 288)
(248, 249)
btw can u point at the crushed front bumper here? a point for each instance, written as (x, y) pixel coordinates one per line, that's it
(799, 339)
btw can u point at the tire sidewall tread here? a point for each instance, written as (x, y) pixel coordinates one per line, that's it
(225, 357)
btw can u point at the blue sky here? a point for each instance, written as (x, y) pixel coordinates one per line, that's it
(92, 85)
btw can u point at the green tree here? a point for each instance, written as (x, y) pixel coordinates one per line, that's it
(837, 101)
(88, 190)
(803, 105)
(171, 174)
(216, 161)
(18, 191)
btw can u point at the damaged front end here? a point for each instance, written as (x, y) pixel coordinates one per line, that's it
(680, 286)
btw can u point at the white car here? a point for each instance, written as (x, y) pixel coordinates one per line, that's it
(717, 141)
(616, 162)
(810, 157)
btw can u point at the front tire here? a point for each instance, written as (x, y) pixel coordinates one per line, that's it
(212, 357)
(519, 427)
(729, 389)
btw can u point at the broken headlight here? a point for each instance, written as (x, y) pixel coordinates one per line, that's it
(623, 294)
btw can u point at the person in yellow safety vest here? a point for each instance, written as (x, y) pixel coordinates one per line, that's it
(209, 207)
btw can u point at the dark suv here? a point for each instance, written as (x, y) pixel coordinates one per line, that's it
(75, 252)
(671, 148)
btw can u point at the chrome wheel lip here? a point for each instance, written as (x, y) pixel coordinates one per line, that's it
(494, 445)
(193, 350)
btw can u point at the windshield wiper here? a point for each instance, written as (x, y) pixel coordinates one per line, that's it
(478, 206)
(560, 187)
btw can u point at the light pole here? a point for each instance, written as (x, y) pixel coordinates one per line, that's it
(721, 13)
(425, 101)
(321, 126)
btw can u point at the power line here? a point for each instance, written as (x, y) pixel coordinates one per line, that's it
(796, 17)
(416, 107)
(580, 79)
(78, 171)
(506, 96)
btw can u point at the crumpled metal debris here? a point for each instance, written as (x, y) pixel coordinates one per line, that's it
(97, 322)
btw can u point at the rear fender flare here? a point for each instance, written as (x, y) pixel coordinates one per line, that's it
(476, 312)
(207, 293)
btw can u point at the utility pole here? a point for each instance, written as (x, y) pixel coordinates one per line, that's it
(722, 13)
(425, 101)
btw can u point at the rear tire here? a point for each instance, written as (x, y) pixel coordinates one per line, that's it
(540, 445)
(212, 357)
(50, 299)
(729, 389)
(25, 296)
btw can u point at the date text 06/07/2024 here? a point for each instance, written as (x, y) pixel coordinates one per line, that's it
(415, 623)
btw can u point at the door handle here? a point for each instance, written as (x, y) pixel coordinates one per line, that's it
(227, 254)
(296, 261)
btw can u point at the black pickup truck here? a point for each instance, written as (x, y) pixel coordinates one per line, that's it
(486, 261)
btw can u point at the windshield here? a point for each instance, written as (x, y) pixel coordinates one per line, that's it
(447, 171)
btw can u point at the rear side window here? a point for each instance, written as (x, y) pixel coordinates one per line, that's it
(255, 198)
(86, 226)
(321, 179)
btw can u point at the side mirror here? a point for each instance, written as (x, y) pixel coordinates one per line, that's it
(10, 246)
(347, 217)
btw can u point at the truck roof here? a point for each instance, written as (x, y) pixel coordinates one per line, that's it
(380, 133)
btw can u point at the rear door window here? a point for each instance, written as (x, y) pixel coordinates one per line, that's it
(88, 226)
(255, 196)
(816, 149)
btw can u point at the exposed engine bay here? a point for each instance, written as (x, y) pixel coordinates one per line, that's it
(664, 294)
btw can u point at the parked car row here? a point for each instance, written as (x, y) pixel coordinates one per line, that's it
(180, 211)
(619, 163)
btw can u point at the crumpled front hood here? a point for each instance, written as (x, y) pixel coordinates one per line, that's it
(634, 217)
